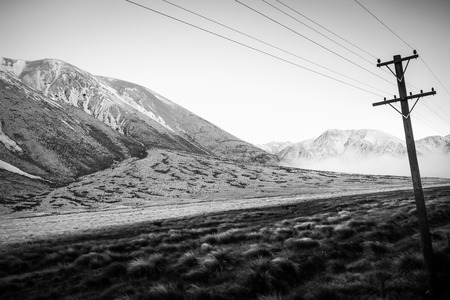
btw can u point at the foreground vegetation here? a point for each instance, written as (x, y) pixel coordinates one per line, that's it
(352, 247)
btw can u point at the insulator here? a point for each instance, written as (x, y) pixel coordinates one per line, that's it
(379, 61)
(414, 52)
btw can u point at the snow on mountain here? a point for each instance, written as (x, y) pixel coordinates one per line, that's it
(345, 143)
(54, 141)
(369, 152)
(69, 122)
(434, 144)
(274, 147)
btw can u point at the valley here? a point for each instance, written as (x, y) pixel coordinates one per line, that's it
(106, 186)
(171, 184)
(339, 247)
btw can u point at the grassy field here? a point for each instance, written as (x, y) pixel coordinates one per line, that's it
(166, 176)
(168, 184)
(341, 247)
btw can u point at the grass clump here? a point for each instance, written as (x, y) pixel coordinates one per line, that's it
(226, 237)
(289, 252)
(150, 266)
(264, 275)
(301, 243)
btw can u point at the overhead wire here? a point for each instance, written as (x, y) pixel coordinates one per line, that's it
(311, 40)
(271, 45)
(326, 29)
(249, 47)
(437, 113)
(381, 22)
(313, 29)
(406, 43)
(434, 75)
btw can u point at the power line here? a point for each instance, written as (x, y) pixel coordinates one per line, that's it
(323, 27)
(312, 41)
(248, 46)
(406, 43)
(318, 32)
(434, 75)
(381, 22)
(439, 112)
(271, 45)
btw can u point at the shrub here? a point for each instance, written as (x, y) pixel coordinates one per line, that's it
(305, 225)
(375, 248)
(301, 243)
(323, 292)
(258, 277)
(167, 291)
(284, 269)
(257, 250)
(360, 265)
(115, 269)
(187, 260)
(264, 275)
(95, 281)
(92, 259)
(406, 262)
(229, 236)
(208, 266)
(336, 267)
(205, 247)
(147, 266)
(283, 233)
(344, 233)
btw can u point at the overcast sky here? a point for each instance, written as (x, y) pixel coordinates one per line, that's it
(255, 97)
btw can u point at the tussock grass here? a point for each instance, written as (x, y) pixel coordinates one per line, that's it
(226, 237)
(301, 243)
(151, 265)
(257, 250)
(314, 250)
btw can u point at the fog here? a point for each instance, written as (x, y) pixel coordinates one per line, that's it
(432, 165)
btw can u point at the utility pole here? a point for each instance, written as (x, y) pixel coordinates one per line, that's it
(425, 237)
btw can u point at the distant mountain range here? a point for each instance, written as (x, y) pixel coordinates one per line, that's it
(341, 150)
(363, 142)
(59, 122)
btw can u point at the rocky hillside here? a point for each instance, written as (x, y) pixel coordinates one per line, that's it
(53, 140)
(58, 122)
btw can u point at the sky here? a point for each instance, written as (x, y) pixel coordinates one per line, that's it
(254, 96)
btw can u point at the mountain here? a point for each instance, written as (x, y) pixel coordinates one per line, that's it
(53, 140)
(59, 122)
(345, 143)
(434, 144)
(274, 147)
(367, 152)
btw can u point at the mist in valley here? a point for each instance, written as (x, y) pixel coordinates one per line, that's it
(430, 165)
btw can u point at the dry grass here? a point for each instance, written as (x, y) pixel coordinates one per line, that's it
(317, 249)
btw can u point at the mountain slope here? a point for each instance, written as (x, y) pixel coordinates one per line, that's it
(274, 147)
(345, 143)
(131, 110)
(434, 144)
(53, 140)
(368, 152)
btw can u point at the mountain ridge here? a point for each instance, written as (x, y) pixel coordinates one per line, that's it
(424, 145)
(83, 104)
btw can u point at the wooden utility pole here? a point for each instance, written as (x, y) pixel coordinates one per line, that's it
(425, 237)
